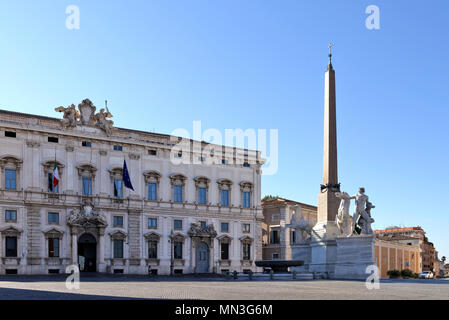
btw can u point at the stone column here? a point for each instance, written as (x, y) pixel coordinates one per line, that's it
(74, 232)
(101, 264)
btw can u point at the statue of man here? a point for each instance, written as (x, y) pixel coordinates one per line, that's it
(361, 200)
(343, 218)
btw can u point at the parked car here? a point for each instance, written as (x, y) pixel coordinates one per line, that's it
(426, 275)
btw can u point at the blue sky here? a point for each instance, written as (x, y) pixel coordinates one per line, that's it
(258, 64)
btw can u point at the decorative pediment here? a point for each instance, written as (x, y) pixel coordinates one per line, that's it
(197, 231)
(10, 160)
(86, 169)
(246, 186)
(53, 233)
(224, 238)
(201, 181)
(116, 172)
(152, 236)
(247, 239)
(50, 165)
(10, 231)
(118, 234)
(152, 176)
(178, 237)
(224, 183)
(177, 178)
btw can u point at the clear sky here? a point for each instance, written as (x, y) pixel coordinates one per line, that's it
(258, 64)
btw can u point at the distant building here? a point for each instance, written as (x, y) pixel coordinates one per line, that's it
(277, 239)
(413, 236)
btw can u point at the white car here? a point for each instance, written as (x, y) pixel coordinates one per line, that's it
(426, 275)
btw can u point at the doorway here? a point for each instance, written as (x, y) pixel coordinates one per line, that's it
(202, 258)
(87, 253)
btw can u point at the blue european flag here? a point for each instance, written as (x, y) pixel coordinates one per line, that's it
(126, 179)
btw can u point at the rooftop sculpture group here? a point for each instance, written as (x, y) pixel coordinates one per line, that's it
(86, 116)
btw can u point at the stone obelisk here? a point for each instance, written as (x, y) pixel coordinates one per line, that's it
(323, 245)
(327, 202)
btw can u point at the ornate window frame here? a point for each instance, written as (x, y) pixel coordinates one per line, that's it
(86, 170)
(116, 173)
(178, 237)
(178, 179)
(224, 238)
(152, 176)
(225, 184)
(152, 236)
(10, 162)
(54, 233)
(202, 182)
(11, 231)
(245, 240)
(118, 235)
(48, 167)
(246, 186)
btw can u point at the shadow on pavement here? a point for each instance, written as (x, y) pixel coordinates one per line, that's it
(25, 294)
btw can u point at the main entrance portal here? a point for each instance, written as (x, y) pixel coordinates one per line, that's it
(202, 258)
(87, 253)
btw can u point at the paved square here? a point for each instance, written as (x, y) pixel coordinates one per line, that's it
(194, 287)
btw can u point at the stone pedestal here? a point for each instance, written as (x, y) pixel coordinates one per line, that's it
(301, 252)
(323, 248)
(354, 255)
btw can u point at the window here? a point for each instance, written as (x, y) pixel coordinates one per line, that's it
(276, 217)
(224, 227)
(179, 154)
(177, 250)
(10, 134)
(152, 191)
(10, 179)
(118, 188)
(224, 161)
(152, 152)
(86, 144)
(275, 256)
(246, 199)
(275, 237)
(293, 236)
(11, 246)
(152, 222)
(177, 224)
(51, 187)
(53, 217)
(53, 247)
(202, 195)
(53, 139)
(225, 198)
(177, 190)
(87, 186)
(246, 228)
(118, 248)
(118, 148)
(246, 251)
(10, 215)
(203, 225)
(246, 164)
(152, 249)
(224, 251)
(118, 221)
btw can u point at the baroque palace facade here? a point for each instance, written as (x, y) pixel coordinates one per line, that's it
(180, 218)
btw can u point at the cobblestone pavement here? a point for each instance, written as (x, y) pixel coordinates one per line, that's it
(213, 287)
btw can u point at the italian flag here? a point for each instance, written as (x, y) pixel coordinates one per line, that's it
(55, 175)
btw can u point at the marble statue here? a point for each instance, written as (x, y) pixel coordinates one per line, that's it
(362, 211)
(365, 221)
(298, 222)
(343, 218)
(70, 117)
(102, 122)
